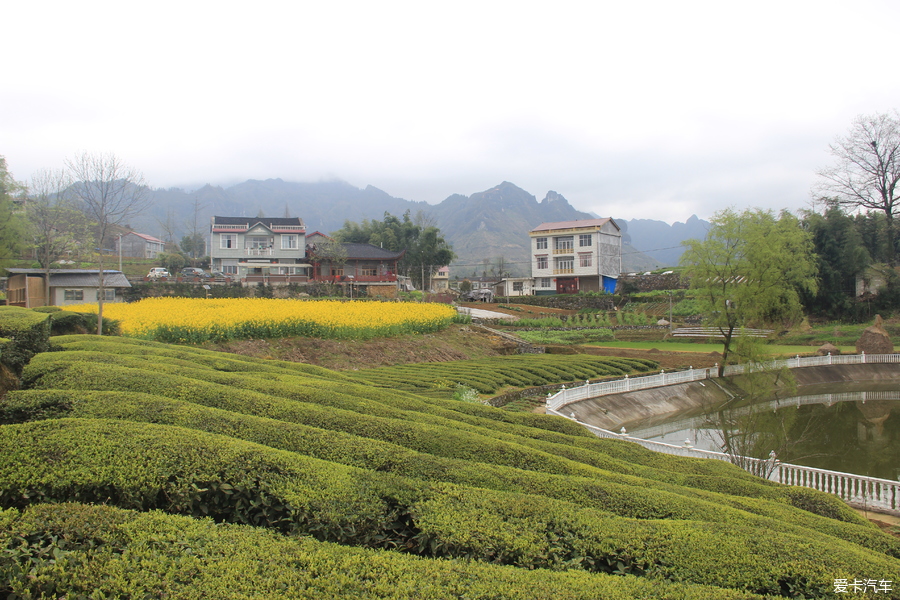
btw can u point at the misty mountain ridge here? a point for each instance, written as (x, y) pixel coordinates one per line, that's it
(481, 227)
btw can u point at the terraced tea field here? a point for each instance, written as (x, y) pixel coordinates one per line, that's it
(132, 468)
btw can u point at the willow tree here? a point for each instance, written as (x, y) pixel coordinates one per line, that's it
(750, 271)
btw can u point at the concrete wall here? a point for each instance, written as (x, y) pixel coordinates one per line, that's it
(615, 410)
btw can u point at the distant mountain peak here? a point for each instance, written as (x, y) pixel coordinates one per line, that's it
(554, 197)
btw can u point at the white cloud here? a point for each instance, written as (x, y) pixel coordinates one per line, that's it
(655, 109)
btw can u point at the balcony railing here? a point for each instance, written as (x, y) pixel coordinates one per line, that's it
(277, 278)
(386, 278)
(564, 251)
(259, 251)
(563, 271)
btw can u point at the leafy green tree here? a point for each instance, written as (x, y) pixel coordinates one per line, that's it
(193, 245)
(12, 229)
(872, 227)
(426, 249)
(172, 261)
(841, 256)
(750, 270)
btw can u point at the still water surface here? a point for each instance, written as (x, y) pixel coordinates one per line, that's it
(853, 428)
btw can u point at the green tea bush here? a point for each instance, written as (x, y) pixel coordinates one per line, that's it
(24, 333)
(145, 466)
(623, 495)
(91, 547)
(489, 375)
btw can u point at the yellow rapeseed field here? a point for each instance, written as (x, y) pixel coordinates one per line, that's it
(192, 320)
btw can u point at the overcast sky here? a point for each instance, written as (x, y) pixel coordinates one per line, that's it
(654, 109)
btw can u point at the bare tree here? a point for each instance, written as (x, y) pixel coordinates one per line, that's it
(57, 226)
(867, 172)
(198, 246)
(110, 192)
(168, 226)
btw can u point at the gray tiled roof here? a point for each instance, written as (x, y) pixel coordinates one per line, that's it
(356, 251)
(267, 221)
(78, 277)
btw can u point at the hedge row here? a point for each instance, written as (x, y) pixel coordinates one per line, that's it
(606, 454)
(156, 353)
(415, 430)
(145, 466)
(621, 495)
(74, 551)
(490, 374)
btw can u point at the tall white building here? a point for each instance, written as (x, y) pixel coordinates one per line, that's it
(576, 256)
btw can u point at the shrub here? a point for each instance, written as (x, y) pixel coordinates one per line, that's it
(24, 333)
(145, 466)
(95, 546)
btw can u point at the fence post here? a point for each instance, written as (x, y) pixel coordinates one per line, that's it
(863, 356)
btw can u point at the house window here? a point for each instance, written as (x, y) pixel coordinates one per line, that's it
(228, 240)
(584, 260)
(518, 286)
(229, 269)
(73, 295)
(257, 243)
(368, 272)
(108, 295)
(541, 243)
(542, 262)
(565, 264)
(289, 242)
(565, 243)
(545, 282)
(337, 272)
(584, 240)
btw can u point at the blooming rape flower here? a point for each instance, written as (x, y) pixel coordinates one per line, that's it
(198, 319)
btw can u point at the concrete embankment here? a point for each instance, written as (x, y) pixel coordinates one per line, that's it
(646, 406)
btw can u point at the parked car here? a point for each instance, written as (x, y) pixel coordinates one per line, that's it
(194, 272)
(157, 272)
(216, 274)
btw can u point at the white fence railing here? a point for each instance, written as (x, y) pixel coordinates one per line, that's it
(875, 494)
(868, 492)
(593, 390)
(816, 361)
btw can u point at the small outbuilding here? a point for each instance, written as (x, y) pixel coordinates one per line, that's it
(27, 287)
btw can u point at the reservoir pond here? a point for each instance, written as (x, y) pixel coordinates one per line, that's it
(851, 428)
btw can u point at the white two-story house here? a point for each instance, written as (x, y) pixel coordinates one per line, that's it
(259, 248)
(576, 256)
